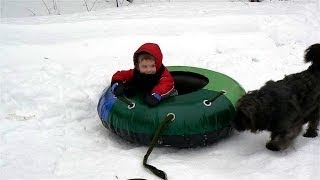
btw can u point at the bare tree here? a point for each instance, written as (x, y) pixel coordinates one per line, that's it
(33, 14)
(120, 3)
(87, 6)
(46, 6)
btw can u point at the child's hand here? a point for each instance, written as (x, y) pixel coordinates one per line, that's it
(117, 88)
(152, 99)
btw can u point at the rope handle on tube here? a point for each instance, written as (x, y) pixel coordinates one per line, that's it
(208, 102)
(163, 125)
(130, 103)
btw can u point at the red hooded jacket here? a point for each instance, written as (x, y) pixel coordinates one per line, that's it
(166, 83)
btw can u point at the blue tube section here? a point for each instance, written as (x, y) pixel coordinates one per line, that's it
(106, 101)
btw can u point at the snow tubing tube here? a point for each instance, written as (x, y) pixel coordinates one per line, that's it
(196, 123)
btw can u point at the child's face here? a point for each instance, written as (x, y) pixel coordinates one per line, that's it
(147, 66)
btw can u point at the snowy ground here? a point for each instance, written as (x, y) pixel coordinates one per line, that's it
(53, 69)
(21, 8)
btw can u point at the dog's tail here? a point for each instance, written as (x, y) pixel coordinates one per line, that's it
(312, 54)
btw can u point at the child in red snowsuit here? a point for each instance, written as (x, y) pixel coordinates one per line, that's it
(149, 76)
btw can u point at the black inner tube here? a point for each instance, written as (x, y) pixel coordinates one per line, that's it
(188, 82)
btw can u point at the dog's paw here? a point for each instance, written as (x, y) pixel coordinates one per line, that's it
(272, 147)
(311, 134)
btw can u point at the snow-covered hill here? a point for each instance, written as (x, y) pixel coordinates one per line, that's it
(53, 69)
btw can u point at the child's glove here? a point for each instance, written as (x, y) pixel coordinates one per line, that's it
(152, 99)
(117, 88)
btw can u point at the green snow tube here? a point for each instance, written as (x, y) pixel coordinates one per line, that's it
(203, 110)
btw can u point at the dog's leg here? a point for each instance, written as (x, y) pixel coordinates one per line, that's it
(273, 143)
(313, 119)
(282, 140)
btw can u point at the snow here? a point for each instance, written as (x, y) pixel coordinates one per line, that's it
(54, 68)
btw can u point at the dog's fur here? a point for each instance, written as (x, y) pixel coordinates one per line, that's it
(284, 106)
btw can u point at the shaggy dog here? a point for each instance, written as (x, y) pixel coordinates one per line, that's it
(284, 106)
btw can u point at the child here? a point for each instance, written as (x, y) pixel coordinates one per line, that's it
(149, 77)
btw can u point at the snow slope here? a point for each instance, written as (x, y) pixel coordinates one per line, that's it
(53, 69)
